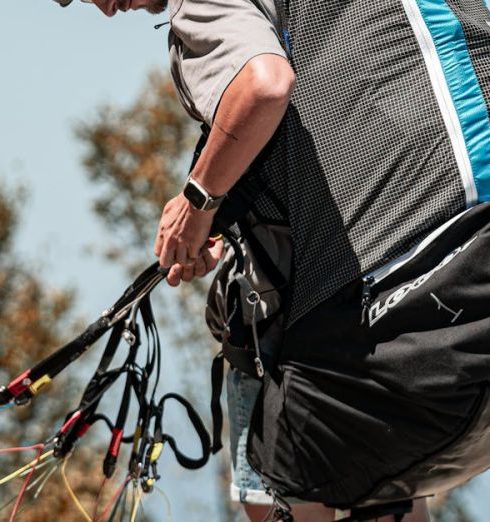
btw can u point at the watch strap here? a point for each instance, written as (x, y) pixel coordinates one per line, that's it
(199, 197)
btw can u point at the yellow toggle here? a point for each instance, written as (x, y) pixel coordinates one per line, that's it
(137, 437)
(40, 383)
(156, 451)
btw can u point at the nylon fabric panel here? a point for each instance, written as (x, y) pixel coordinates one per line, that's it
(449, 39)
(372, 409)
(440, 82)
(474, 17)
(365, 165)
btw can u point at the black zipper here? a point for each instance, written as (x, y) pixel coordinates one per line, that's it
(366, 298)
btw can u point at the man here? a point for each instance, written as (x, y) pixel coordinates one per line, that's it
(354, 199)
(370, 134)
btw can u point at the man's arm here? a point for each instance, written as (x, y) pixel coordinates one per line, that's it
(248, 114)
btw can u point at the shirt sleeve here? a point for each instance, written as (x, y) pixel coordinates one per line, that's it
(210, 41)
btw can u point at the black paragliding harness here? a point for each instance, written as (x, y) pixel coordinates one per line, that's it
(241, 342)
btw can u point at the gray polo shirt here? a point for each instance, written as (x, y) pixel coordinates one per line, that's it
(211, 40)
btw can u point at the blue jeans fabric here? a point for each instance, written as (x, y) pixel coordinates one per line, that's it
(242, 393)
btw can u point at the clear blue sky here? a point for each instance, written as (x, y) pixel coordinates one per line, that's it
(56, 66)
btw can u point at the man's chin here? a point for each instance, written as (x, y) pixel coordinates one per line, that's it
(123, 5)
(156, 6)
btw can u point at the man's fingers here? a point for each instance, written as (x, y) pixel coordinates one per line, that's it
(175, 275)
(157, 246)
(206, 261)
(212, 256)
(217, 250)
(188, 273)
(181, 255)
(181, 234)
(200, 267)
(193, 251)
(167, 254)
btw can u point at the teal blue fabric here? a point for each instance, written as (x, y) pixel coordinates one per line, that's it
(449, 39)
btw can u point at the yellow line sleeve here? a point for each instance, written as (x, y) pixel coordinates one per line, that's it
(27, 466)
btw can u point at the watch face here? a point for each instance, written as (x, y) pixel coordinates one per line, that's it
(195, 196)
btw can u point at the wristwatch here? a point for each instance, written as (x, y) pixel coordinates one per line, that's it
(199, 196)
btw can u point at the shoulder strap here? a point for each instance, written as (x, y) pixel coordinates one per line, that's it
(282, 8)
(271, 270)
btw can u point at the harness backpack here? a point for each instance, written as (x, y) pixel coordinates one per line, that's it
(396, 407)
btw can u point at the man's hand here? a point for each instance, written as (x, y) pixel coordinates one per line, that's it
(247, 116)
(182, 233)
(205, 263)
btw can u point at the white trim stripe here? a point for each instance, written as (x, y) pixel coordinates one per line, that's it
(388, 269)
(444, 98)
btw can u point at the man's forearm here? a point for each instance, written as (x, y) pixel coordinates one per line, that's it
(249, 112)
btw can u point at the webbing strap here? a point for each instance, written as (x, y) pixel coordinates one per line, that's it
(217, 377)
(56, 362)
(90, 397)
(123, 319)
(141, 286)
(397, 509)
(110, 460)
(161, 436)
(152, 334)
(52, 365)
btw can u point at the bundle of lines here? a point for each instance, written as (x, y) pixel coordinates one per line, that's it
(125, 320)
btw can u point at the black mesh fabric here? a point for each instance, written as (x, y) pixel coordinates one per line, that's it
(364, 166)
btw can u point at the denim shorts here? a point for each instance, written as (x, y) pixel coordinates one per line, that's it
(242, 392)
(246, 486)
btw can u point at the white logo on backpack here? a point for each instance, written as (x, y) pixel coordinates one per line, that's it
(378, 309)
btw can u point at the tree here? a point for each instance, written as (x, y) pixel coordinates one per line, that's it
(33, 321)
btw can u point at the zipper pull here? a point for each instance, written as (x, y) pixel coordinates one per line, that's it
(366, 299)
(253, 299)
(259, 367)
